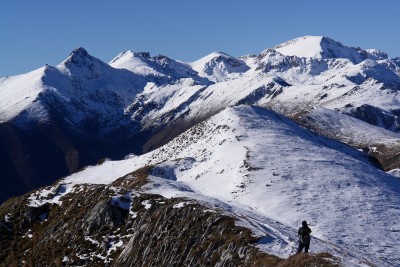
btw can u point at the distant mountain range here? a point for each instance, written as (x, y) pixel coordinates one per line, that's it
(55, 120)
(303, 130)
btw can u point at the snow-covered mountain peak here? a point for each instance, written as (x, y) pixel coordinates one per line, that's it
(270, 55)
(128, 55)
(137, 62)
(98, 92)
(81, 64)
(219, 66)
(214, 56)
(306, 46)
(80, 51)
(376, 54)
(160, 66)
(321, 47)
(77, 55)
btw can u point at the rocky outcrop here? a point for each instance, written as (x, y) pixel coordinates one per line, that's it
(376, 116)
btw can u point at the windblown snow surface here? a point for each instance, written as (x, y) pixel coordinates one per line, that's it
(272, 174)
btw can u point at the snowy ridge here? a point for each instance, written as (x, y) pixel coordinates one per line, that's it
(219, 66)
(383, 145)
(324, 47)
(82, 87)
(135, 62)
(162, 68)
(351, 128)
(376, 54)
(16, 96)
(215, 67)
(135, 82)
(301, 174)
(80, 64)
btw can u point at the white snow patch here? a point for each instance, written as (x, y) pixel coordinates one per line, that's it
(7, 217)
(146, 204)
(133, 214)
(41, 197)
(395, 172)
(91, 240)
(181, 205)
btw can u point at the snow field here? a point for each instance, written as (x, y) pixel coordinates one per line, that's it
(267, 170)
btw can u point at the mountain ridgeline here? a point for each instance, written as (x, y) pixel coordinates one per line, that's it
(55, 120)
(150, 161)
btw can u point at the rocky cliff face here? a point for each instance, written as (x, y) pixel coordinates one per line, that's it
(116, 225)
(378, 117)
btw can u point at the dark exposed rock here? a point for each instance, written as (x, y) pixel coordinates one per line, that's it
(377, 116)
(102, 217)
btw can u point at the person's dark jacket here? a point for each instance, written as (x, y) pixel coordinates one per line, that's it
(304, 234)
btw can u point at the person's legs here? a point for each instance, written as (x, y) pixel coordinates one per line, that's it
(307, 246)
(300, 248)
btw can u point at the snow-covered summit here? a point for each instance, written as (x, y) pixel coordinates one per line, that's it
(81, 64)
(137, 62)
(80, 87)
(322, 47)
(141, 63)
(79, 57)
(219, 66)
(376, 54)
(77, 53)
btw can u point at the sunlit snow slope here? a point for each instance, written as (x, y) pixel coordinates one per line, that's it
(324, 47)
(264, 166)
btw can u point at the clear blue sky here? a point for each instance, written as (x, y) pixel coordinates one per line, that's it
(34, 33)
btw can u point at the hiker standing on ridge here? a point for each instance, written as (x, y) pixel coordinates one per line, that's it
(304, 237)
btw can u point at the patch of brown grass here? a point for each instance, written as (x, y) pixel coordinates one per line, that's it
(134, 180)
(311, 260)
(298, 260)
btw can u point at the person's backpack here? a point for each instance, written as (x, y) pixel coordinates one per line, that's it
(304, 234)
